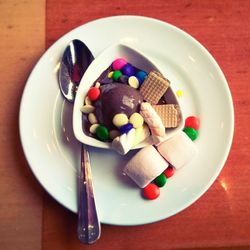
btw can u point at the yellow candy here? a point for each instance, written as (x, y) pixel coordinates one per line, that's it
(179, 93)
(110, 74)
(120, 120)
(137, 120)
(133, 82)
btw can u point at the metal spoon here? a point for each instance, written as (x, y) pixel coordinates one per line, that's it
(76, 59)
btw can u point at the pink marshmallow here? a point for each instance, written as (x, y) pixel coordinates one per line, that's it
(178, 150)
(145, 166)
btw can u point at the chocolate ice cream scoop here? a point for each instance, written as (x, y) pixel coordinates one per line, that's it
(116, 98)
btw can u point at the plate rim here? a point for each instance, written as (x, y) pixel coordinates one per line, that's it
(218, 69)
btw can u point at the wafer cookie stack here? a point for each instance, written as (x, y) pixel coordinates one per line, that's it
(154, 87)
(168, 114)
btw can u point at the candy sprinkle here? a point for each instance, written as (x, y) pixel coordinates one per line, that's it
(102, 133)
(191, 133)
(133, 82)
(192, 122)
(110, 74)
(179, 93)
(160, 180)
(169, 172)
(151, 191)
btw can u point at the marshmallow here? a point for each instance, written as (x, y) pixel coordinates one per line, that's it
(145, 166)
(154, 122)
(123, 143)
(178, 150)
(141, 134)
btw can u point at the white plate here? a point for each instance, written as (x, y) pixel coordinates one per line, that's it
(54, 154)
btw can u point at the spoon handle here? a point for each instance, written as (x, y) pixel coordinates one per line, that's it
(89, 229)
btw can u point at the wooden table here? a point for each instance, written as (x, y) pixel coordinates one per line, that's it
(31, 219)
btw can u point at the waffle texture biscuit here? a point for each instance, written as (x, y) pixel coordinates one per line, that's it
(168, 114)
(154, 87)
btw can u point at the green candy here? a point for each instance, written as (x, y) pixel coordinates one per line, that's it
(102, 133)
(191, 133)
(116, 75)
(160, 180)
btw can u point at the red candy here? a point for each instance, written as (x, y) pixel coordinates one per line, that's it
(192, 122)
(94, 93)
(151, 191)
(169, 172)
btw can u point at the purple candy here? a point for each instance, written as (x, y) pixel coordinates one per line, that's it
(125, 128)
(106, 80)
(128, 70)
(123, 79)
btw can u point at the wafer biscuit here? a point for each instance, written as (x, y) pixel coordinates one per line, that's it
(168, 114)
(154, 87)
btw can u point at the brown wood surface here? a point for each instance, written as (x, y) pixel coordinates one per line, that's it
(22, 32)
(31, 219)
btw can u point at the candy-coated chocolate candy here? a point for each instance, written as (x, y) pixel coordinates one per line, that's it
(141, 75)
(192, 122)
(116, 75)
(123, 79)
(125, 128)
(128, 70)
(120, 120)
(94, 93)
(179, 93)
(151, 191)
(191, 133)
(119, 63)
(102, 133)
(160, 180)
(169, 172)
(133, 82)
(110, 74)
(106, 80)
(113, 134)
(136, 119)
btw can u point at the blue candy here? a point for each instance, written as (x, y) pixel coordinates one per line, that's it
(125, 128)
(141, 75)
(128, 70)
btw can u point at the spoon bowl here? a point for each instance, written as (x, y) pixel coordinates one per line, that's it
(75, 61)
(96, 68)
